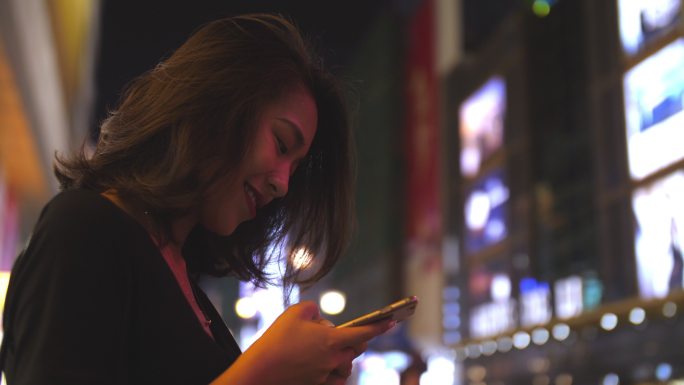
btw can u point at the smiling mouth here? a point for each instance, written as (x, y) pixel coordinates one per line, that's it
(252, 199)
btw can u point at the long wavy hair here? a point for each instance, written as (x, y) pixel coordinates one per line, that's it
(199, 108)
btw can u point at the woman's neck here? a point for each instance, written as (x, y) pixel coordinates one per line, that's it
(180, 228)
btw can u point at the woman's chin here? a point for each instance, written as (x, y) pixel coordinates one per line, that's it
(223, 229)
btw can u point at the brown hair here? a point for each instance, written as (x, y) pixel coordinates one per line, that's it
(198, 108)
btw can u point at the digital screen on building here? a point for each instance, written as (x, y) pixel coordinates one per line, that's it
(569, 297)
(659, 235)
(485, 207)
(492, 308)
(654, 111)
(481, 125)
(643, 21)
(535, 302)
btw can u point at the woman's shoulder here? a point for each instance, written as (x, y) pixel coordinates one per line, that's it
(79, 199)
(81, 227)
(84, 210)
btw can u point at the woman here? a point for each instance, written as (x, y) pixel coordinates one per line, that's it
(239, 141)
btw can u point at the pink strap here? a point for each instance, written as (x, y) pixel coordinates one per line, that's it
(176, 263)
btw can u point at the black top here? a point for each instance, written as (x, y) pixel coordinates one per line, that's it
(91, 300)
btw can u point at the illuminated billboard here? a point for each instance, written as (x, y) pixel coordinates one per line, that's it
(481, 122)
(486, 204)
(654, 111)
(642, 21)
(659, 235)
(492, 307)
(535, 302)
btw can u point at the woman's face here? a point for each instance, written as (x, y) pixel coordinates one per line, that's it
(283, 136)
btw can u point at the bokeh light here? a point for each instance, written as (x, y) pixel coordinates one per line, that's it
(541, 8)
(246, 307)
(609, 321)
(333, 302)
(637, 316)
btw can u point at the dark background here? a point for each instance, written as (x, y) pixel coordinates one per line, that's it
(136, 35)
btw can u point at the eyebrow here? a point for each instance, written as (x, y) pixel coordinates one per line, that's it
(299, 137)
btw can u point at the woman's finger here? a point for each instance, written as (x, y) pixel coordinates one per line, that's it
(345, 367)
(357, 335)
(359, 349)
(326, 322)
(307, 310)
(340, 374)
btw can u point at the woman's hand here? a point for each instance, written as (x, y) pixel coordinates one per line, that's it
(298, 349)
(343, 371)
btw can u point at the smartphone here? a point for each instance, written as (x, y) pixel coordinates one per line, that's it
(397, 311)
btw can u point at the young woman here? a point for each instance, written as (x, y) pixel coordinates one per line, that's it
(237, 142)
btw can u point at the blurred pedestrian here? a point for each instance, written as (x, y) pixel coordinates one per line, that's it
(411, 375)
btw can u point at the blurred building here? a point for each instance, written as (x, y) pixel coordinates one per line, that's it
(46, 90)
(568, 126)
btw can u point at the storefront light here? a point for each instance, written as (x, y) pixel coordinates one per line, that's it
(441, 370)
(609, 321)
(637, 316)
(538, 365)
(611, 379)
(474, 350)
(669, 309)
(375, 369)
(663, 371)
(451, 337)
(541, 379)
(504, 344)
(540, 336)
(461, 353)
(564, 379)
(561, 331)
(521, 340)
(476, 373)
(489, 348)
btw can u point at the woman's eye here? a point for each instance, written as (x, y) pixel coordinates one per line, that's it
(282, 148)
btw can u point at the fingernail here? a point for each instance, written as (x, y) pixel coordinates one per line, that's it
(392, 324)
(326, 322)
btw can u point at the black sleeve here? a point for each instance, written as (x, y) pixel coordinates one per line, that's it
(68, 304)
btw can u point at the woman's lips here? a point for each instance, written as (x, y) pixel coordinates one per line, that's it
(255, 200)
(252, 200)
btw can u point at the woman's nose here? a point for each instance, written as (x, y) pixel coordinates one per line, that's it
(278, 183)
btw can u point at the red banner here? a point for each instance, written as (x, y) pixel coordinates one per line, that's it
(424, 216)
